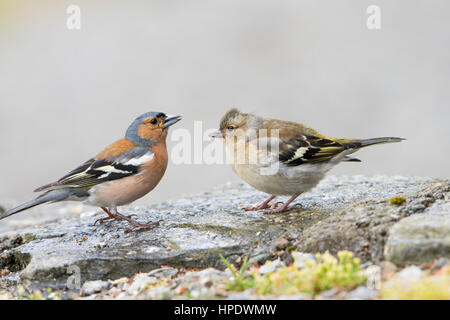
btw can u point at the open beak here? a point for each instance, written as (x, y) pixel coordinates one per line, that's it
(170, 120)
(216, 134)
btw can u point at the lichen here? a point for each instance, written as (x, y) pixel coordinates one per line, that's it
(397, 200)
(325, 273)
(315, 276)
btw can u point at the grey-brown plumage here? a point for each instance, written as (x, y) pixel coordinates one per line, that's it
(291, 158)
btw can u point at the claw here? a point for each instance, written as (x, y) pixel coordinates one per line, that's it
(121, 217)
(285, 207)
(141, 227)
(275, 205)
(118, 217)
(263, 205)
(278, 210)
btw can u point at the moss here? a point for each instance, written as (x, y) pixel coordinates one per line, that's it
(429, 287)
(325, 273)
(397, 200)
(241, 281)
(36, 295)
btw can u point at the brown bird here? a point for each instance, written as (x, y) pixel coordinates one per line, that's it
(288, 158)
(124, 171)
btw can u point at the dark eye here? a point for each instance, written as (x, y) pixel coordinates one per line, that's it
(230, 128)
(153, 121)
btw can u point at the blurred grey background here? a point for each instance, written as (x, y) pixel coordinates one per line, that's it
(65, 94)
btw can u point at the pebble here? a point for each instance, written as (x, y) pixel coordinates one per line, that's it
(91, 287)
(160, 293)
(140, 283)
(281, 244)
(271, 266)
(410, 274)
(362, 293)
(101, 245)
(163, 273)
(300, 258)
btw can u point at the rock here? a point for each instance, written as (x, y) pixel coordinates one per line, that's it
(300, 258)
(271, 266)
(140, 282)
(101, 245)
(362, 293)
(341, 213)
(160, 293)
(281, 244)
(347, 227)
(410, 274)
(388, 270)
(439, 264)
(163, 273)
(420, 238)
(91, 287)
(201, 279)
(297, 296)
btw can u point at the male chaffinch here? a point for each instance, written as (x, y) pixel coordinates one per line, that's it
(291, 158)
(124, 171)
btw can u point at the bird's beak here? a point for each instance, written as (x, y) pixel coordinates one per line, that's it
(170, 120)
(216, 134)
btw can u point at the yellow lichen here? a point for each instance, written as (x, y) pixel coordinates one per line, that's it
(323, 274)
(397, 200)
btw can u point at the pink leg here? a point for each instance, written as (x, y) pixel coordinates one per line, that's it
(263, 205)
(110, 216)
(134, 224)
(284, 207)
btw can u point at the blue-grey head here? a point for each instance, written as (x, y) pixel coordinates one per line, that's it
(150, 128)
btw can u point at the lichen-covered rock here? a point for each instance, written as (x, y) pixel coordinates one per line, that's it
(421, 238)
(342, 213)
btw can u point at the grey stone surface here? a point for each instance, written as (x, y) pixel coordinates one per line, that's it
(350, 213)
(422, 237)
(362, 293)
(271, 266)
(91, 287)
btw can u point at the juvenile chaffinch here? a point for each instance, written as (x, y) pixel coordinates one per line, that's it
(291, 158)
(124, 171)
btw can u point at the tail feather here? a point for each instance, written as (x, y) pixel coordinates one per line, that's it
(50, 196)
(369, 142)
(350, 159)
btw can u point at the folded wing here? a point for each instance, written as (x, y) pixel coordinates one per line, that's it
(95, 171)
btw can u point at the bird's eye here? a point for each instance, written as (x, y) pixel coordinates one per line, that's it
(153, 121)
(230, 128)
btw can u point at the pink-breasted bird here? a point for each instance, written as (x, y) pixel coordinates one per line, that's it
(123, 172)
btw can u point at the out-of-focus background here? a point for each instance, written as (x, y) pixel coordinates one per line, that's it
(65, 94)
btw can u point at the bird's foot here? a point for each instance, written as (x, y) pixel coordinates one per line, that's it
(134, 224)
(101, 220)
(260, 207)
(141, 226)
(274, 208)
(263, 205)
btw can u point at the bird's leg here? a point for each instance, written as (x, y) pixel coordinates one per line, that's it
(134, 224)
(111, 216)
(284, 207)
(263, 205)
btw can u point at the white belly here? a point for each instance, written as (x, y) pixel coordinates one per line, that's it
(286, 180)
